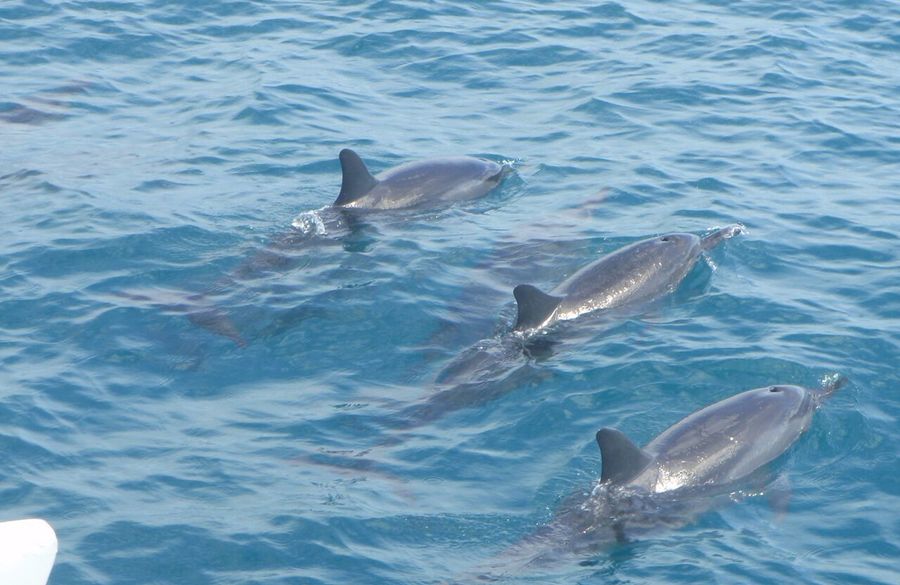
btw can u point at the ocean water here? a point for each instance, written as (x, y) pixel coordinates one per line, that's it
(165, 159)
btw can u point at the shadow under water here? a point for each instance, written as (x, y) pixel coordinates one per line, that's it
(608, 522)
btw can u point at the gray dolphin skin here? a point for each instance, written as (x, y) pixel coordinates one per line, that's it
(701, 462)
(720, 444)
(641, 272)
(692, 466)
(419, 184)
(626, 279)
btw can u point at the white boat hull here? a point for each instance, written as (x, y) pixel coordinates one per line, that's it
(27, 552)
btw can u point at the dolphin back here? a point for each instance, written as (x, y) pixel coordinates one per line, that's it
(732, 438)
(419, 184)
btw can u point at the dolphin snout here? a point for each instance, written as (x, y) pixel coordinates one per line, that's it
(831, 384)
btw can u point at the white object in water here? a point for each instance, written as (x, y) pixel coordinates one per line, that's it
(27, 552)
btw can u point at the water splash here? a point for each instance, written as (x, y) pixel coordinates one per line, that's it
(734, 229)
(310, 222)
(833, 382)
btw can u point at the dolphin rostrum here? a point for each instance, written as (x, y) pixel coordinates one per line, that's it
(419, 184)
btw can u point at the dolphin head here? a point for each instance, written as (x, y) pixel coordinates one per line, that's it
(676, 245)
(784, 391)
(786, 400)
(673, 253)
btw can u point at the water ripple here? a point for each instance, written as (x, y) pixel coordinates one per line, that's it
(193, 345)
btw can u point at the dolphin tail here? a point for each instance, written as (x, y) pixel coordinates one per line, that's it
(218, 322)
(830, 384)
(710, 241)
(357, 180)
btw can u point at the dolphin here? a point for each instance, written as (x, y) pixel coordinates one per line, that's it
(625, 279)
(638, 273)
(424, 184)
(698, 463)
(420, 184)
(717, 445)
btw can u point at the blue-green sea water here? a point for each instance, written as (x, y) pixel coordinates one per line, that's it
(161, 158)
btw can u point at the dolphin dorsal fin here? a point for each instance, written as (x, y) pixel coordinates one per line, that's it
(535, 306)
(357, 180)
(621, 458)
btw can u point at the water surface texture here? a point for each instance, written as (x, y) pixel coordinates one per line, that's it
(164, 159)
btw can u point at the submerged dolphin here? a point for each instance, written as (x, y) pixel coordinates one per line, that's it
(415, 185)
(641, 272)
(692, 466)
(425, 183)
